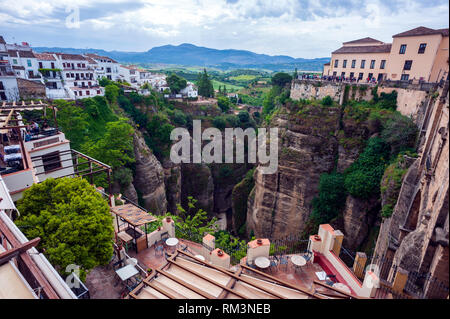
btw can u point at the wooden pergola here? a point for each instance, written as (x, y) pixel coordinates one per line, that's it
(134, 216)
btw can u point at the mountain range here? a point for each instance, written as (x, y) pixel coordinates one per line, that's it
(191, 55)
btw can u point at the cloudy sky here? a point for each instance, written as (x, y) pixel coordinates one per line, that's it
(299, 28)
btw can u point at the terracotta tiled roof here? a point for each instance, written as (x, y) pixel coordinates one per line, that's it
(364, 40)
(385, 48)
(21, 53)
(96, 56)
(421, 31)
(67, 56)
(28, 84)
(90, 60)
(45, 56)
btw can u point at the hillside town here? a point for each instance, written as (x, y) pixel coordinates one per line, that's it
(26, 74)
(373, 103)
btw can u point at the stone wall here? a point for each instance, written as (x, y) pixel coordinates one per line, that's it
(411, 100)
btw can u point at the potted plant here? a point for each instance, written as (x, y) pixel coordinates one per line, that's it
(259, 241)
(149, 271)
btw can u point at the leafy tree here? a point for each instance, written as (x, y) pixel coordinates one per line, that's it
(327, 101)
(281, 79)
(219, 123)
(72, 220)
(204, 84)
(364, 175)
(223, 103)
(331, 198)
(400, 132)
(111, 93)
(73, 122)
(115, 148)
(244, 117)
(176, 83)
(295, 73)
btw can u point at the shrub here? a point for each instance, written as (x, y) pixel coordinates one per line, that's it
(327, 101)
(331, 198)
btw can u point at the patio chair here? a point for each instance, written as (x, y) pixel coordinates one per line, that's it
(273, 263)
(330, 280)
(159, 248)
(284, 260)
(308, 256)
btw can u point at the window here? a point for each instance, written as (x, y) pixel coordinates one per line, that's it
(372, 64)
(15, 61)
(408, 64)
(403, 49)
(98, 92)
(88, 92)
(352, 75)
(334, 73)
(353, 64)
(343, 74)
(405, 77)
(2, 96)
(336, 63)
(53, 65)
(422, 47)
(382, 64)
(363, 64)
(344, 64)
(29, 62)
(51, 161)
(81, 93)
(40, 65)
(370, 76)
(1, 86)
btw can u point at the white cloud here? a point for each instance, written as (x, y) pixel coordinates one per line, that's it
(300, 28)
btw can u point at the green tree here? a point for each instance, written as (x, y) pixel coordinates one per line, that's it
(224, 103)
(115, 148)
(72, 220)
(111, 93)
(204, 84)
(176, 83)
(281, 79)
(331, 198)
(73, 122)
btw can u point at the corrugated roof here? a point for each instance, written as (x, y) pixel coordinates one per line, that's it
(421, 31)
(385, 48)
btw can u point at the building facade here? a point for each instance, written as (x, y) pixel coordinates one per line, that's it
(419, 54)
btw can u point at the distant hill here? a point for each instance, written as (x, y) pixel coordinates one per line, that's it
(190, 55)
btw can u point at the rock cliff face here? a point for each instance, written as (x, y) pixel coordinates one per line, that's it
(280, 204)
(358, 217)
(197, 181)
(149, 177)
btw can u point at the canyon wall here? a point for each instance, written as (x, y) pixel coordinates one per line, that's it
(415, 236)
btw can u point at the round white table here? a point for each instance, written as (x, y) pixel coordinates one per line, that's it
(172, 241)
(298, 260)
(342, 287)
(262, 262)
(200, 257)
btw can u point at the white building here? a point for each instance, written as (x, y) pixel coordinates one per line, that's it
(189, 91)
(52, 76)
(129, 74)
(24, 62)
(8, 83)
(105, 67)
(78, 76)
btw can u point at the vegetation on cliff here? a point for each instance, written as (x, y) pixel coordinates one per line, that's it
(72, 220)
